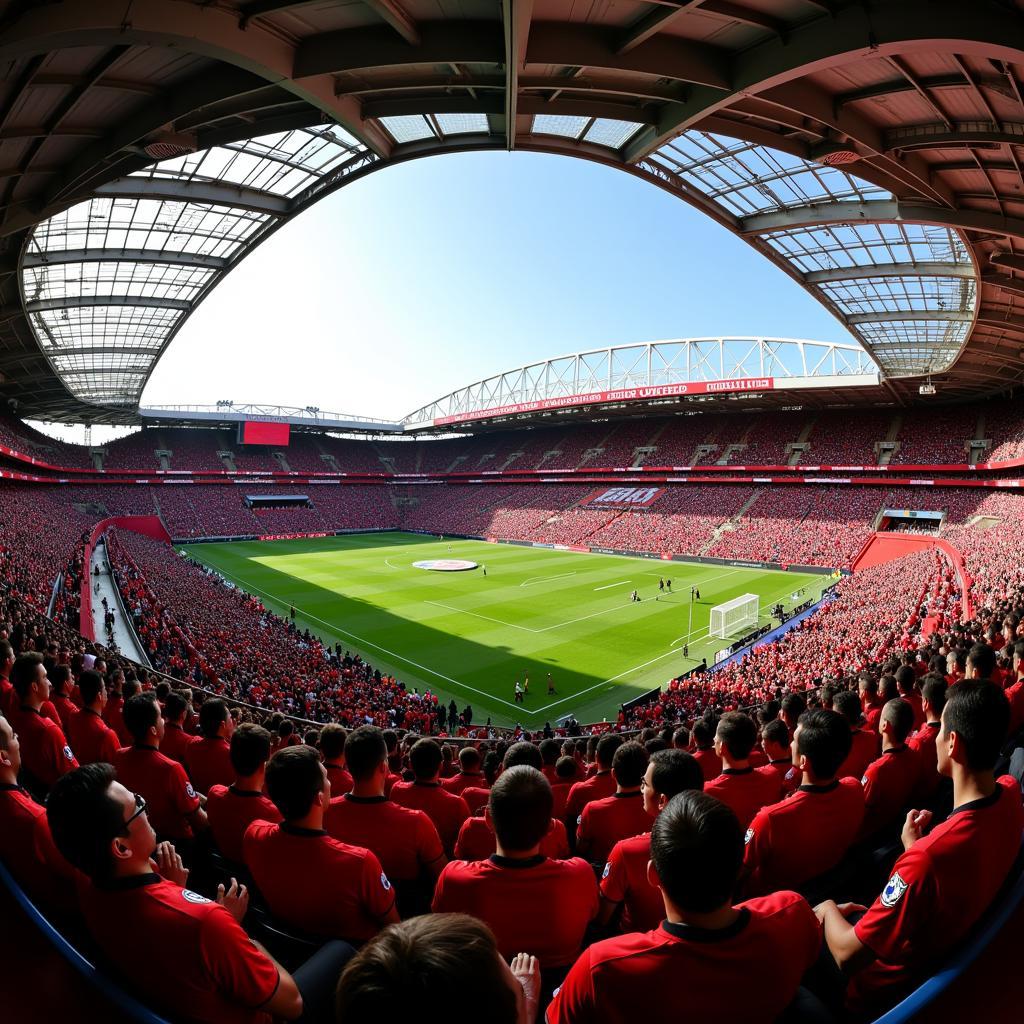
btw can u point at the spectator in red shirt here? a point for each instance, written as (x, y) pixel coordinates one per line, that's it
(178, 951)
(791, 708)
(404, 840)
(906, 685)
(112, 713)
(45, 753)
(8, 697)
(604, 822)
(332, 749)
(90, 737)
(596, 787)
(476, 796)
(705, 942)
(60, 694)
(865, 744)
(310, 881)
(796, 840)
(410, 970)
(565, 778)
(625, 882)
(446, 810)
(933, 700)
(889, 781)
(936, 892)
(232, 809)
(1015, 691)
(981, 662)
(174, 806)
(208, 757)
(867, 689)
(550, 751)
(513, 891)
(743, 788)
(703, 737)
(469, 774)
(176, 740)
(777, 746)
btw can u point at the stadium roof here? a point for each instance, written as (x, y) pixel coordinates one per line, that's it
(871, 150)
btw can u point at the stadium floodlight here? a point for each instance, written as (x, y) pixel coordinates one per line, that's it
(733, 616)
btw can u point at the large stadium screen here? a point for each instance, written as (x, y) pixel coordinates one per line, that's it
(255, 432)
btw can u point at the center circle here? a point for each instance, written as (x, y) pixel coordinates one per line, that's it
(445, 564)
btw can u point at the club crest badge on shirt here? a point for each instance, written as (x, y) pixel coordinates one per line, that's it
(193, 897)
(384, 881)
(893, 891)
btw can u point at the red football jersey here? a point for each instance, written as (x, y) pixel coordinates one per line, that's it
(462, 781)
(624, 880)
(318, 884)
(91, 738)
(746, 791)
(888, 785)
(923, 744)
(803, 836)
(175, 742)
(231, 811)
(405, 841)
(475, 797)
(477, 842)
(209, 763)
(748, 971)
(604, 822)
(864, 748)
(339, 777)
(446, 810)
(180, 951)
(44, 750)
(936, 892)
(596, 787)
(710, 763)
(515, 899)
(163, 782)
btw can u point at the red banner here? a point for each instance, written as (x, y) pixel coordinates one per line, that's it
(625, 497)
(702, 387)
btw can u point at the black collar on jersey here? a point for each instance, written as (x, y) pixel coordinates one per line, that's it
(173, 725)
(11, 787)
(691, 933)
(737, 771)
(130, 882)
(331, 764)
(895, 750)
(145, 746)
(517, 862)
(827, 788)
(782, 760)
(980, 804)
(366, 799)
(34, 711)
(93, 711)
(427, 785)
(623, 796)
(304, 833)
(933, 725)
(603, 771)
(243, 792)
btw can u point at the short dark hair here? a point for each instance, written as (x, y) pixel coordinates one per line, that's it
(175, 705)
(697, 850)
(425, 758)
(793, 706)
(333, 738)
(418, 963)
(469, 758)
(681, 737)
(6, 651)
(90, 684)
(565, 768)
(887, 688)
(629, 764)
(250, 748)
(606, 747)
(868, 681)
(738, 734)
(549, 750)
(23, 672)
(675, 771)
(294, 777)
(703, 733)
(59, 675)
(933, 692)
(140, 715)
(979, 713)
(364, 750)
(520, 803)
(849, 706)
(905, 679)
(982, 659)
(775, 731)
(212, 715)
(522, 753)
(825, 740)
(899, 714)
(84, 818)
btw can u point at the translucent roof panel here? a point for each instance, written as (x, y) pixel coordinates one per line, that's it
(745, 179)
(107, 282)
(560, 124)
(606, 132)
(462, 124)
(408, 128)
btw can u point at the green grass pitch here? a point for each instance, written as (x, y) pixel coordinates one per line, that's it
(471, 637)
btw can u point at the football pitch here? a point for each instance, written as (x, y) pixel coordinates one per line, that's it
(468, 636)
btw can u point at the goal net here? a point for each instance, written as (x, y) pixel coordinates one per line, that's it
(733, 616)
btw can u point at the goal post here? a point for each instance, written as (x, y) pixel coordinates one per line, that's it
(733, 616)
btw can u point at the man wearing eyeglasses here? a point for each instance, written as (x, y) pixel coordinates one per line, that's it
(219, 973)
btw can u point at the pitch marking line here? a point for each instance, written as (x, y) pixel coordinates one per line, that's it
(608, 586)
(534, 580)
(368, 643)
(464, 611)
(387, 562)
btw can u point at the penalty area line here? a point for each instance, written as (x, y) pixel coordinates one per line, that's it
(608, 586)
(534, 580)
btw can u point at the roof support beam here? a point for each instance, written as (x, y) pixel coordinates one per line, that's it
(1004, 282)
(651, 23)
(82, 301)
(853, 32)
(214, 192)
(391, 11)
(1007, 260)
(161, 256)
(908, 314)
(964, 134)
(516, 16)
(965, 270)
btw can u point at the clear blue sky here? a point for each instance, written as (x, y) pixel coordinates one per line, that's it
(426, 276)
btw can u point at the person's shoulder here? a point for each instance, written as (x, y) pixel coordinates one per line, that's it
(620, 947)
(573, 867)
(217, 793)
(259, 831)
(465, 870)
(778, 903)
